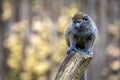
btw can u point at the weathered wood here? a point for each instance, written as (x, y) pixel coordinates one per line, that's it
(73, 67)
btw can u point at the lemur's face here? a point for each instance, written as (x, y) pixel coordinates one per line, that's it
(80, 21)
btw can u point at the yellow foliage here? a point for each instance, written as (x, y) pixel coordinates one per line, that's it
(61, 49)
(115, 65)
(43, 52)
(61, 45)
(29, 63)
(114, 29)
(45, 35)
(57, 58)
(35, 39)
(65, 16)
(113, 49)
(62, 23)
(6, 11)
(113, 77)
(47, 23)
(15, 48)
(13, 62)
(11, 40)
(41, 67)
(25, 76)
(19, 27)
(37, 26)
(42, 77)
(29, 51)
(72, 10)
(68, 11)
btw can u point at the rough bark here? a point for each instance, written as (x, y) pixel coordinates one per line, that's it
(73, 67)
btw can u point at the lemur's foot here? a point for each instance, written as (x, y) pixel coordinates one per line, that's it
(71, 49)
(85, 52)
(88, 51)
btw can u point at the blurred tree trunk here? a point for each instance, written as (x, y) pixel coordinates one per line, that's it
(25, 14)
(15, 18)
(15, 10)
(2, 51)
(25, 9)
(21, 11)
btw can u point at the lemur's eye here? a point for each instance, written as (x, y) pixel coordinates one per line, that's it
(85, 18)
(78, 21)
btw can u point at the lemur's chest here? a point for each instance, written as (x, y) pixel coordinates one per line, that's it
(79, 40)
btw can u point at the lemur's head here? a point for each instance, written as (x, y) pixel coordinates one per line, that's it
(81, 20)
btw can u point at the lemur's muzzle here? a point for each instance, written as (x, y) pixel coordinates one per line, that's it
(78, 24)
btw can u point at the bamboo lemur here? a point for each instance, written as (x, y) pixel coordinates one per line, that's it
(81, 33)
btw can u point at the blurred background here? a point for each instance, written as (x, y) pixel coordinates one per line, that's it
(32, 43)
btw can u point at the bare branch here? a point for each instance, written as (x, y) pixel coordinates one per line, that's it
(73, 67)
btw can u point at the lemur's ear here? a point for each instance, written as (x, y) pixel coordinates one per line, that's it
(72, 17)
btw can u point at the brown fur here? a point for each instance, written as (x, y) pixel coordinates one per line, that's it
(78, 15)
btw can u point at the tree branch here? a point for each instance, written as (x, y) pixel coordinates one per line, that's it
(73, 67)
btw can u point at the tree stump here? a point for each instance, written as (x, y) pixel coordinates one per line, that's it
(73, 66)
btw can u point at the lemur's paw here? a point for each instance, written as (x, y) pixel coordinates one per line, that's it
(88, 51)
(71, 49)
(85, 53)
